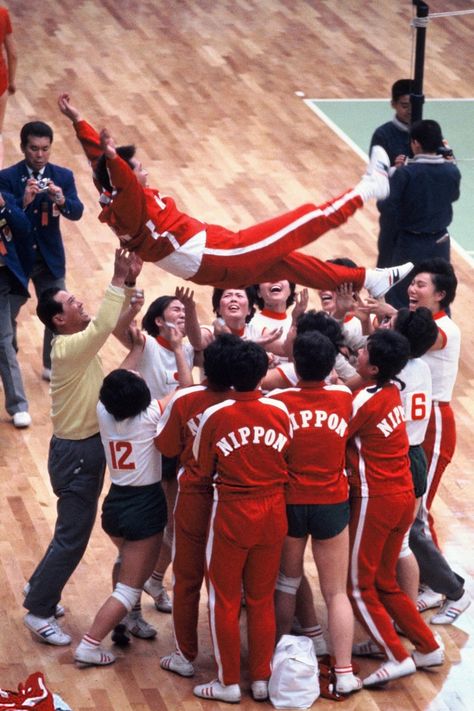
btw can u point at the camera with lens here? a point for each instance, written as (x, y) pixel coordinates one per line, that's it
(445, 151)
(43, 184)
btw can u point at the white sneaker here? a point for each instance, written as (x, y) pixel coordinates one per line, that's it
(46, 629)
(97, 656)
(374, 184)
(431, 659)
(259, 690)
(390, 671)
(347, 683)
(21, 419)
(215, 690)
(139, 627)
(159, 594)
(427, 599)
(367, 649)
(46, 374)
(451, 610)
(379, 281)
(175, 662)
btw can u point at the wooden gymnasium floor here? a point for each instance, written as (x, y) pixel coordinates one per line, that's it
(207, 91)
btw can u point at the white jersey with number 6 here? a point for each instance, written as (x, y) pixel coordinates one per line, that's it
(416, 398)
(132, 458)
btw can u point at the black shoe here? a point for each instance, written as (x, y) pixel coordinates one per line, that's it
(120, 636)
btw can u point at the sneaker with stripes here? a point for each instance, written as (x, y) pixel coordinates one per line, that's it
(90, 653)
(390, 671)
(46, 629)
(451, 610)
(215, 690)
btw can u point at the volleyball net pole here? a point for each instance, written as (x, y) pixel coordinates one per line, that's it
(420, 22)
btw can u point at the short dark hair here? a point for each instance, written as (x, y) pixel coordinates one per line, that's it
(418, 327)
(401, 87)
(102, 174)
(249, 290)
(216, 361)
(40, 129)
(389, 351)
(156, 310)
(47, 307)
(442, 275)
(314, 355)
(248, 364)
(428, 134)
(324, 323)
(343, 262)
(290, 300)
(124, 394)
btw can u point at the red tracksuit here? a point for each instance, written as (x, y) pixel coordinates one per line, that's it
(242, 442)
(176, 432)
(382, 503)
(153, 226)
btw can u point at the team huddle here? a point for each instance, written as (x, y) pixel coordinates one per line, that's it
(230, 445)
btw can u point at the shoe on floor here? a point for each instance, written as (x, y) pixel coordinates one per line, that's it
(379, 281)
(431, 659)
(46, 374)
(59, 611)
(451, 610)
(21, 420)
(120, 636)
(46, 629)
(93, 657)
(367, 649)
(139, 627)
(390, 671)
(159, 594)
(347, 683)
(215, 690)
(175, 662)
(427, 599)
(259, 690)
(375, 184)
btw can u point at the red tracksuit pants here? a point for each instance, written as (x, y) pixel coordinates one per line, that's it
(244, 547)
(439, 446)
(266, 251)
(376, 529)
(191, 519)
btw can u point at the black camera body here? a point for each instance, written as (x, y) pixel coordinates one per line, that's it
(445, 151)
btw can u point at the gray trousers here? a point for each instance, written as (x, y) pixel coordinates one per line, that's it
(15, 398)
(434, 568)
(76, 469)
(43, 279)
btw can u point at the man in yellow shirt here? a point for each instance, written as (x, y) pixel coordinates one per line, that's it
(76, 461)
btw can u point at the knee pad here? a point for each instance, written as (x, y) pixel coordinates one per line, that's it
(126, 595)
(406, 550)
(286, 584)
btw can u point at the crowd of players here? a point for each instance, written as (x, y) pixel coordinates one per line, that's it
(235, 475)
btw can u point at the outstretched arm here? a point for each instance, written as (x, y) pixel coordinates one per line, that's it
(66, 108)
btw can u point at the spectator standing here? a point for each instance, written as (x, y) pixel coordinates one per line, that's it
(45, 192)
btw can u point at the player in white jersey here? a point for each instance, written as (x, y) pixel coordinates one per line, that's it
(434, 286)
(273, 300)
(420, 329)
(134, 510)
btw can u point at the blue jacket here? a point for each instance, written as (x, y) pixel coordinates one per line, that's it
(43, 214)
(15, 237)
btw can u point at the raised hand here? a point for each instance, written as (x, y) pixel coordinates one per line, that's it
(67, 108)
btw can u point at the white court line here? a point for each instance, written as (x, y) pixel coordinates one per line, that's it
(467, 256)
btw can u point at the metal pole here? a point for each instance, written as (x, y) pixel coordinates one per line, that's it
(417, 98)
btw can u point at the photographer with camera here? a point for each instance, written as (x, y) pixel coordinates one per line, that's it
(419, 207)
(45, 192)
